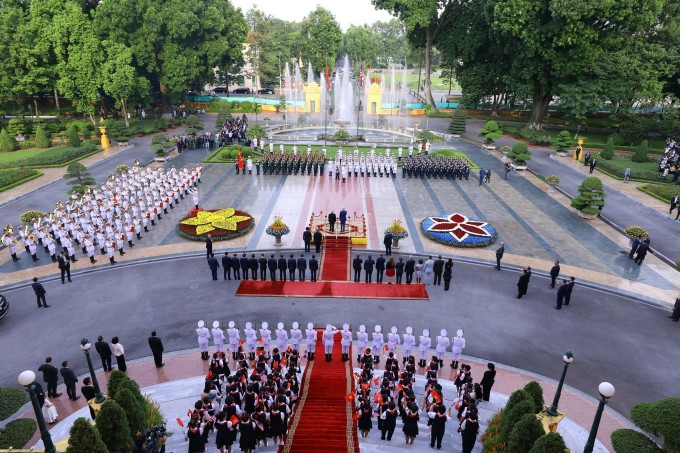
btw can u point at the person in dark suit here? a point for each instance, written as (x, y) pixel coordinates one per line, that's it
(674, 202)
(675, 316)
(208, 246)
(50, 376)
(313, 267)
(368, 267)
(271, 265)
(561, 292)
(388, 243)
(40, 292)
(263, 267)
(487, 381)
(156, 346)
(236, 266)
(292, 265)
(253, 265)
(226, 265)
(523, 283)
(499, 255)
(356, 265)
(244, 266)
(570, 287)
(438, 269)
(448, 273)
(88, 392)
(641, 253)
(634, 244)
(302, 268)
(214, 265)
(554, 272)
(409, 269)
(104, 351)
(331, 220)
(39, 393)
(64, 267)
(379, 268)
(318, 238)
(307, 238)
(399, 270)
(283, 267)
(70, 380)
(343, 219)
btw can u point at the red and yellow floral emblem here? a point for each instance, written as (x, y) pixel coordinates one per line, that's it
(458, 226)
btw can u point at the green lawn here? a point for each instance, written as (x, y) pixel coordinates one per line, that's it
(663, 192)
(218, 157)
(49, 157)
(647, 171)
(438, 83)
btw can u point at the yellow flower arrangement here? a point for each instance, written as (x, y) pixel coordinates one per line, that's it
(224, 219)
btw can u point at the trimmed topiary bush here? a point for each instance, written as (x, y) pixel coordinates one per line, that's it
(7, 142)
(457, 125)
(662, 419)
(534, 389)
(41, 138)
(641, 153)
(192, 121)
(563, 141)
(549, 443)
(631, 441)
(520, 153)
(590, 199)
(636, 231)
(514, 415)
(11, 400)
(17, 433)
(122, 169)
(115, 378)
(113, 427)
(490, 132)
(517, 397)
(28, 216)
(607, 152)
(84, 438)
(159, 139)
(525, 433)
(134, 406)
(73, 136)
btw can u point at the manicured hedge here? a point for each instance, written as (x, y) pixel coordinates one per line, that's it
(661, 191)
(13, 177)
(11, 399)
(51, 157)
(631, 441)
(17, 433)
(647, 171)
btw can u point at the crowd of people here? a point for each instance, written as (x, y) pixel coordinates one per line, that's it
(441, 167)
(106, 217)
(669, 164)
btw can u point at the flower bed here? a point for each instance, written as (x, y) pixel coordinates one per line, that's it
(222, 224)
(277, 227)
(458, 230)
(397, 230)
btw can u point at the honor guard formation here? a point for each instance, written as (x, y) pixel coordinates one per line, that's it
(106, 217)
(441, 167)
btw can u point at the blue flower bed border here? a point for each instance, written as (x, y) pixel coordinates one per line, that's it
(446, 238)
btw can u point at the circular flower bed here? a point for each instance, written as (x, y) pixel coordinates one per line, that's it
(458, 230)
(221, 224)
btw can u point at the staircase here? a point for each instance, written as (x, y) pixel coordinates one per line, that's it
(335, 262)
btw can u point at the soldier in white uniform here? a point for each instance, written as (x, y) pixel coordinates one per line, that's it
(218, 336)
(10, 241)
(328, 341)
(362, 341)
(203, 339)
(310, 335)
(111, 250)
(281, 337)
(408, 341)
(443, 342)
(378, 342)
(345, 341)
(265, 336)
(457, 348)
(393, 339)
(295, 336)
(423, 346)
(89, 246)
(251, 340)
(234, 337)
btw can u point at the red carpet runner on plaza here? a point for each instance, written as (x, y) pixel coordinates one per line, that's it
(323, 420)
(335, 260)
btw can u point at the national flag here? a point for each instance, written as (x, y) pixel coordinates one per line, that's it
(350, 397)
(376, 381)
(240, 160)
(436, 396)
(365, 387)
(179, 422)
(378, 398)
(328, 77)
(362, 77)
(400, 388)
(241, 341)
(234, 420)
(189, 412)
(355, 416)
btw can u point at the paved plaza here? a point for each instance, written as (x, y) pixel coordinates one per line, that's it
(616, 325)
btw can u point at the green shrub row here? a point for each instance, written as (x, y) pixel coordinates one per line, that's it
(662, 192)
(17, 433)
(11, 178)
(11, 399)
(55, 157)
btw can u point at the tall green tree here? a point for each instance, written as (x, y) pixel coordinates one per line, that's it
(322, 37)
(362, 45)
(113, 427)
(84, 438)
(393, 43)
(120, 78)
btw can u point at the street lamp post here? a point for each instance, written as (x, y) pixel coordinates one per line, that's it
(26, 379)
(358, 114)
(606, 391)
(85, 346)
(568, 358)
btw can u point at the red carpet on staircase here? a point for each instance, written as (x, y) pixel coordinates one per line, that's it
(322, 421)
(259, 288)
(335, 258)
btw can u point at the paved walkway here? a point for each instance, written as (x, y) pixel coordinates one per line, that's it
(177, 385)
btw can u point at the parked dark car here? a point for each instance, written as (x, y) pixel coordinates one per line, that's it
(221, 90)
(268, 90)
(242, 90)
(4, 306)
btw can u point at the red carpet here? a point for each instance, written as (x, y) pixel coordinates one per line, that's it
(331, 289)
(322, 420)
(335, 260)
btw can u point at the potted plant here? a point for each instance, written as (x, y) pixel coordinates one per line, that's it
(552, 181)
(590, 199)
(161, 155)
(505, 150)
(520, 154)
(398, 232)
(490, 132)
(562, 143)
(277, 229)
(635, 231)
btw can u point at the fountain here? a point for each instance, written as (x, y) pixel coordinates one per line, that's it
(343, 94)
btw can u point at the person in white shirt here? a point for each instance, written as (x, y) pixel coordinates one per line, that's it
(119, 353)
(218, 336)
(203, 339)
